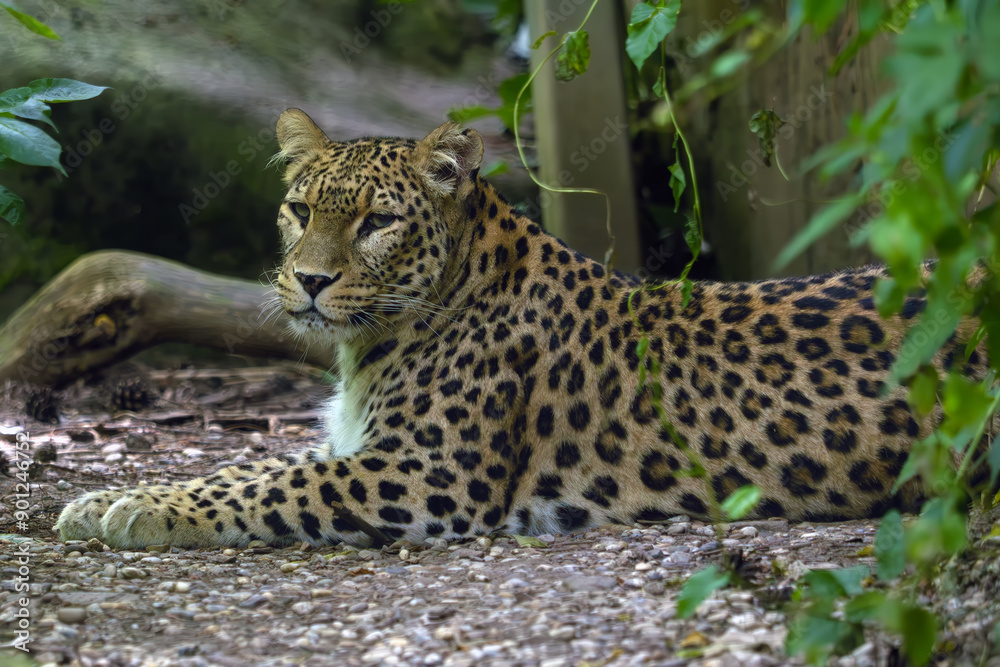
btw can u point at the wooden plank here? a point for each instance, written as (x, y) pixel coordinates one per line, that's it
(582, 134)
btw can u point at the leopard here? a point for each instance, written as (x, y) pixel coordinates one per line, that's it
(491, 380)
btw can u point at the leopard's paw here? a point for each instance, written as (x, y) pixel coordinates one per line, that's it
(157, 515)
(81, 519)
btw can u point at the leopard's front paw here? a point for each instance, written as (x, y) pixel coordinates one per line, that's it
(81, 519)
(156, 515)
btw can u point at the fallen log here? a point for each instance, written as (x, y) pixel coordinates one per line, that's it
(109, 305)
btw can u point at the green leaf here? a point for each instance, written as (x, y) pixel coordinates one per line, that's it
(677, 182)
(11, 206)
(542, 38)
(965, 403)
(728, 63)
(974, 342)
(765, 124)
(692, 236)
(850, 578)
(939, 531)
(574, 58)
(31, 23)
(909, 470)
(686, 287)
(925, 338)
(816, 637)
(20, 102)
(919, 633)
(27, 144)
(660, 90)
(528, 541)
(64, 90)
(889, 297)
(864, 607)
(923, 389)
(495, 168)
(822, 13)
(508, 91)
(821, 223)
(890, 546)
(932, 48)
(642, 347)
(648, 27)
(465, 114)
(30, 101)
(698, 587)
(741, 501)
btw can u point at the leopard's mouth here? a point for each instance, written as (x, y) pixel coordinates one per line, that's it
(313, 317)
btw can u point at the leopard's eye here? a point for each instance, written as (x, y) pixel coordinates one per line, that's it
(300, 210)
(377, 221)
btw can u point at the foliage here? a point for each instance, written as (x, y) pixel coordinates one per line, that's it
(31, 23)
(22, 142)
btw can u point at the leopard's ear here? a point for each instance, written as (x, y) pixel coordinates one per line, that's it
(300, 139)
(448, 155)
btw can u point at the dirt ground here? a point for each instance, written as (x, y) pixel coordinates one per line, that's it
(604, 597)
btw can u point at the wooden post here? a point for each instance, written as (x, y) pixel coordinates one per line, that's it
(582, 135)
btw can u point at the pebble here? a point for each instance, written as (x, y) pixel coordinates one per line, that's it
(589, 583)
(193, 453)
(72, 615)
(113, 448)
(136, 442)
(302, 608)
(678, 528)
(655, 588)
(131, 573)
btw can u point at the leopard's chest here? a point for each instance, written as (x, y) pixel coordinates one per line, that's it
(345, 414)
(344, 419)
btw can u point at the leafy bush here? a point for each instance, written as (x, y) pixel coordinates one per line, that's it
(22, 142)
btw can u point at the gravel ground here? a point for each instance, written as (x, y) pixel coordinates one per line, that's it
(604, 597)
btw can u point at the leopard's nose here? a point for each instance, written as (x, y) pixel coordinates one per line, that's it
(313, 283)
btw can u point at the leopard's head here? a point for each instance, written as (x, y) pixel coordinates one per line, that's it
(369, 227)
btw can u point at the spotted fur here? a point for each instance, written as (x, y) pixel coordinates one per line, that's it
(490, 376)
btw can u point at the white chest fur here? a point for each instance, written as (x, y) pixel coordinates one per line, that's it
(344, 416)
(344, 419)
